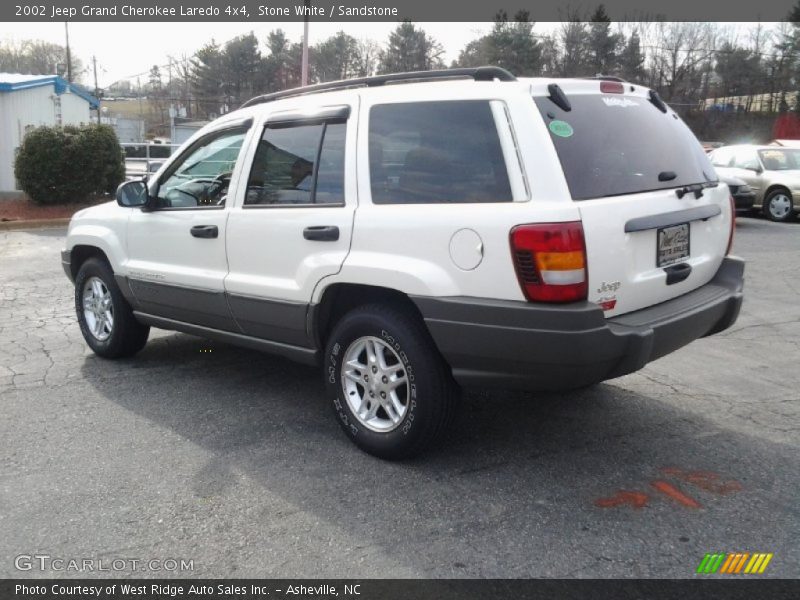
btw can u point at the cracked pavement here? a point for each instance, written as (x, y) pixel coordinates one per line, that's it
(231, 458)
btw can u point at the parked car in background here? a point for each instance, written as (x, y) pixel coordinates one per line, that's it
(711, 146)
(773, 173)
(742, 194)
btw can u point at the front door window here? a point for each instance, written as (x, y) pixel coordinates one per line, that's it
(202, 177)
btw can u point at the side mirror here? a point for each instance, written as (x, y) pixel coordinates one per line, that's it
(132, 193)
(758, 170)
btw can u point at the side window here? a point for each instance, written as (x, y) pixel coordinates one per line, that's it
(436, 152)
(202, 177)
(721, 158)
(779, 160)
(330, 176)
(746, 159)
(300, 164)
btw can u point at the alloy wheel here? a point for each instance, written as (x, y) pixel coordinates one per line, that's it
(98, 308)
(375, 384)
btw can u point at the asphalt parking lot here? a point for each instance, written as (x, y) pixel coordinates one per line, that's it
(232, 459)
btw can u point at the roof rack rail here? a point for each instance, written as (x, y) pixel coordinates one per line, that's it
(476, 73)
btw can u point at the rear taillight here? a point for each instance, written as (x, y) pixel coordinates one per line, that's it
(733, 226)
(550, 259)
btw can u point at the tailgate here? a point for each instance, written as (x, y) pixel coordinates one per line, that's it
(655, 220)
(687, 236)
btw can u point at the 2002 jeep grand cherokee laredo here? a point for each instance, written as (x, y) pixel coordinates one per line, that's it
(418, 231)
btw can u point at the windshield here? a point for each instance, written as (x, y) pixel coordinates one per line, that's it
(780, 159)
(611, 145)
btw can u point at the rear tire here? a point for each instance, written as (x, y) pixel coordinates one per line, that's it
(105, 317)
(371, 351)
(778, 206)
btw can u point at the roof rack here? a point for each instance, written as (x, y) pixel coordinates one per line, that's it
(477, 73)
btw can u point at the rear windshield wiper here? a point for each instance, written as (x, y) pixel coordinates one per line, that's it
(696, 188)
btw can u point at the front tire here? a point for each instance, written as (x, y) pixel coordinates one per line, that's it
(105, 317)
(778, 206)
(391, 391)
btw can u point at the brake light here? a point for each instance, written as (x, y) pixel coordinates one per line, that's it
(612, 87)
(550, 260)
(733, 226)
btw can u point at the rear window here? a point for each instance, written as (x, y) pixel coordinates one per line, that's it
(611, 145)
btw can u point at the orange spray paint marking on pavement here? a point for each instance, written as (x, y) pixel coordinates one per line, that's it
(670, 490)
(712, 483)
(635, 499)
(705, 480)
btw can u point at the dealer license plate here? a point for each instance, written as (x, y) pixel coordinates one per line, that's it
(673, 244)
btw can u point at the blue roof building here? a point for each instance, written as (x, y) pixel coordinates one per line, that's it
(30, 101)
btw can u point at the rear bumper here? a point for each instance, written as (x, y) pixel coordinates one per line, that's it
(558, 347)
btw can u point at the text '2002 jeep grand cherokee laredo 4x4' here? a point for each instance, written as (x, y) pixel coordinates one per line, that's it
(465, 227)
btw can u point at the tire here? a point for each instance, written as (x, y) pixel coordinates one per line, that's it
(125, 336)
(778, 206)
(423, 406)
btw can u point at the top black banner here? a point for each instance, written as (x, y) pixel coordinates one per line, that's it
(276, 11)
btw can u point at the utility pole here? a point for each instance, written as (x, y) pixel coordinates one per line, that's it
(69, 56)
(304, 70)
(96, 89)
(139, 85)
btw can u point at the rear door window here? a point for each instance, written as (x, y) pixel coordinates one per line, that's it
(436, 152)
(301, 164)
(611, 145)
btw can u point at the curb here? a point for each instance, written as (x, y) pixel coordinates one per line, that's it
(33, 224)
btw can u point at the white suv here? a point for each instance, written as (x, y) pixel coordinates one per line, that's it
(413, 232)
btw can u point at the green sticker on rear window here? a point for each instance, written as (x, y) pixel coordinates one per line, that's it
(560, 128)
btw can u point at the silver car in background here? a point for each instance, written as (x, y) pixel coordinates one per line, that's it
(772, 173)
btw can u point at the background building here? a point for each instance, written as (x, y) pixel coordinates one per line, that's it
(30, 101)
(183, 129)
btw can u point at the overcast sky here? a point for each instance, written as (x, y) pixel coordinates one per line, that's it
(124, 50)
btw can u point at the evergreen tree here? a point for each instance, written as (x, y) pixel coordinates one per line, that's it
(206, 79)
(631, 59)
(281, 70)
(410, 49)
(511, 45)
(242, 62)
(602, 44)
(572, 38)
(336, 58)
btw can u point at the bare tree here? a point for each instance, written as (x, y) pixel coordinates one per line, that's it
(680, 59)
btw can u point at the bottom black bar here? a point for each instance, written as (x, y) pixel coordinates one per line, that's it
(399, 589)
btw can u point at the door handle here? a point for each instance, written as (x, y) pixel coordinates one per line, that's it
(205, 231)
(321, 233)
